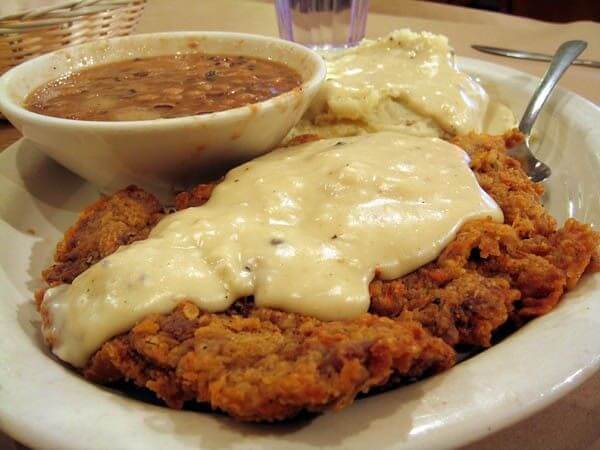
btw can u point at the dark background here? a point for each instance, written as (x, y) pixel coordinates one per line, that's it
(549, 10)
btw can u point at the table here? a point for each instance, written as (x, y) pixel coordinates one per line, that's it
(574, 421)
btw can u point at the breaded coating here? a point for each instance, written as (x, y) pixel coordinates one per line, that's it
(502, 177)
(267, 365)
(260, 364)
(197, 196)
(104, 226)
(461, 307)
(490, 271)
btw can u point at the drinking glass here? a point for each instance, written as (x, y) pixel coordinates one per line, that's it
(322, 24)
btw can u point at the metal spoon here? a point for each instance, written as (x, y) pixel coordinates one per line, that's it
(562, 59)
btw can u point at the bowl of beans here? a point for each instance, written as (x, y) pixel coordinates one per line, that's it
(161, 110)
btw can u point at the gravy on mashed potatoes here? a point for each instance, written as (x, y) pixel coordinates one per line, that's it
(406, 82)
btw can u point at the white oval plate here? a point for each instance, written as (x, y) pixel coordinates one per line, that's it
(43, 404)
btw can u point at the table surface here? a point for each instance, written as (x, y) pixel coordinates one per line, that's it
(573, 422)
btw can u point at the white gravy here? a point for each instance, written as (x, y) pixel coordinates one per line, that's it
(411, 76)
(302, 229)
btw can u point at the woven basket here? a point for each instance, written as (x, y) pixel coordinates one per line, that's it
(28, 34)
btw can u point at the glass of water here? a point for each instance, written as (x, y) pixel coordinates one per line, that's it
(322, 24)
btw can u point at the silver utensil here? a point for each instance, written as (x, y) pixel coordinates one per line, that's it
(521, 54)
(562, 59)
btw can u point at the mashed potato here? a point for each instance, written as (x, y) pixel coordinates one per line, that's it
(406, 82)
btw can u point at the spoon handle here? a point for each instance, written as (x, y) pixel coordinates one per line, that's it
(561, 60)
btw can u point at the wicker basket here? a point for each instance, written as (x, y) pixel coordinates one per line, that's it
(28, 34)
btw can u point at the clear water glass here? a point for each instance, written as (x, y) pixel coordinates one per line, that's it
(322, 24)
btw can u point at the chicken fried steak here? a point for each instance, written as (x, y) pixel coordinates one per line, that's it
(261, 364)
(265, 364)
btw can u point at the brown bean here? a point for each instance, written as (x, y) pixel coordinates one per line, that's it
(172, 91)
(147, 97)
(163, 86)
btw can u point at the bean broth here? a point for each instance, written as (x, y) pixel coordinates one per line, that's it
(163, 87)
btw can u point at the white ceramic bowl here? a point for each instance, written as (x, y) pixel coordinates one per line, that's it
(164, 154)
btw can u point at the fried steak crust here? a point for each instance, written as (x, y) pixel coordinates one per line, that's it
(260, 364)
(493, 272)
(267, 365)
(104, 226)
